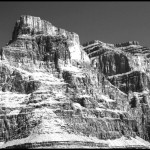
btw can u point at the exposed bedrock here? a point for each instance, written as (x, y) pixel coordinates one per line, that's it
(111, 63)
(127, 44)
(14, 81)
(56, 93)
(134, 81)
(33, 53)
(37, 44)
(89, 89)
(30, 25)
(108, 60)
(126, 66)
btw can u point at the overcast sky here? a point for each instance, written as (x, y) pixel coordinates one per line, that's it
(110, 22)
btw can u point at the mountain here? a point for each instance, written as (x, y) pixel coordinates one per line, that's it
(57, 93)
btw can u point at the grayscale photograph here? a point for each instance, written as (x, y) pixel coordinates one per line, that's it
(74, 74)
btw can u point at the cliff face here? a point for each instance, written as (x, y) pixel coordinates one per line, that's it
(56, 93)
(126, 66)
(36, 40)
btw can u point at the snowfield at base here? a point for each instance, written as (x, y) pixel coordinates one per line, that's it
(121, 142)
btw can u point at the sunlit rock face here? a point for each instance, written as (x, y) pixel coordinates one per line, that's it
(30, 25)
(36, 42)
(56, 93)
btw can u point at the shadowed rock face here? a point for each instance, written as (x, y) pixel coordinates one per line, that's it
(113, 63)
(15, 82)
(56, 93)
(107, 59)
(135, 81)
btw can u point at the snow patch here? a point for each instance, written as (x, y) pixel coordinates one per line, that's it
(107, 98)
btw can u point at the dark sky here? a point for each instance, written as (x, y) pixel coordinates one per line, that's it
(110, 22)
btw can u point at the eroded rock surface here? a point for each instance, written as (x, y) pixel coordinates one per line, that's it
(126, 66)
(56, 93)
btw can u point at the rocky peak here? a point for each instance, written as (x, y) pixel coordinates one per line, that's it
(32, 26)
(42, 40)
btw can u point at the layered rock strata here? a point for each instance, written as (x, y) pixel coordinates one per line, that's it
(126, 66)
(56, 93)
